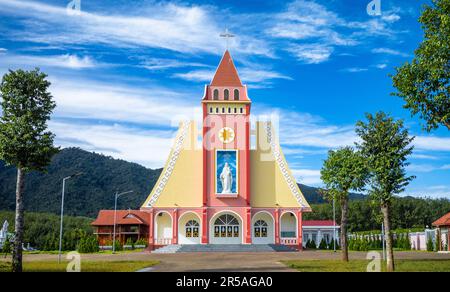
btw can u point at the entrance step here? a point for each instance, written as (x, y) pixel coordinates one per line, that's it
(172, 248)
(224, 248)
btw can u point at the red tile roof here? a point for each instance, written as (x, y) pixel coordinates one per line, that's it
(123, 217)
(443, 221)
(318, 223)
(226, 74)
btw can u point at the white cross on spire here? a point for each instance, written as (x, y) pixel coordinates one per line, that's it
(227, 35)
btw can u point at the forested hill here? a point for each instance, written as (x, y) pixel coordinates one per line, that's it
(86, 194)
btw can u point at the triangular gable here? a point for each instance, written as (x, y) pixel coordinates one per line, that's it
(226, 74)
(272, 182)
(179, 184)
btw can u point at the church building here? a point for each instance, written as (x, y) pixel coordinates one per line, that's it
(225, 181)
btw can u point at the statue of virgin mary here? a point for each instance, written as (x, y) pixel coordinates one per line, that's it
(226, 178)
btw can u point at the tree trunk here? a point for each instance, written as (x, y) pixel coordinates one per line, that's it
(387, 230)
(17, 250)
(344, 219)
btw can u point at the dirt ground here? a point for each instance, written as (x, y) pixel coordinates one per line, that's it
(233, 262)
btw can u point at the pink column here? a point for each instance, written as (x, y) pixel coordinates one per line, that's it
(300, 230)
(277, 226)
(248, 226)
(175, 226)
(151, 230)
(205, 226)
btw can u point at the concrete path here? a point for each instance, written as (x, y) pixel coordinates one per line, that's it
(232, 262)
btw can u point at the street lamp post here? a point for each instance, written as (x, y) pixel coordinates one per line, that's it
(117, 195)
(62, 212)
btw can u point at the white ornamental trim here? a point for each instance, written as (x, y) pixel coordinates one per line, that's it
(283, 165)
(170, 165)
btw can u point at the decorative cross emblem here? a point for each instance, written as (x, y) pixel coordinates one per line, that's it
(227, 35)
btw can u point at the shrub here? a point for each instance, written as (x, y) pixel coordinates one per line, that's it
(7, 246)
(323, 244)
(430, 244)
(130, 243)
(142, 241)
(88, 244)
(118, 245)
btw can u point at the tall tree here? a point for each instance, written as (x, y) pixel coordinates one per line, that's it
(344, 170)
(385, 144)
(424, 83)
(24, 139)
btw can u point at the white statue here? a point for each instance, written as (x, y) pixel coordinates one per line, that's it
(226, 177)
(4, 230)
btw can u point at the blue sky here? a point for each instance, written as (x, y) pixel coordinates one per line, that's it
(123, 72)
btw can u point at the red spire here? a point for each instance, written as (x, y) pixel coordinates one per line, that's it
(226, 74)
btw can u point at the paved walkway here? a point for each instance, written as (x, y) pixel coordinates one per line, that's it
(232, 262)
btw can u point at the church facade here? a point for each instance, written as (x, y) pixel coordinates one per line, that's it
(225, 182)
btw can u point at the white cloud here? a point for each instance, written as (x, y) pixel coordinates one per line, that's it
(388, 51)
(247, 75)
(437, 191)
(307, 176)
(163, 64)
(165, 26)
(381, 66)
(432, 143)
(355, 70)
(311, 53)
(95, 100)
(3, 50)
(62, 61)
(149, 148)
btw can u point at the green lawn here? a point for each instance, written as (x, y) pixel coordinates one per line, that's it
(361, 265)
(86, 266)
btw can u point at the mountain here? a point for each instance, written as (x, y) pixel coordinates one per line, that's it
(86, 194)
(94, 190)
(313, 196)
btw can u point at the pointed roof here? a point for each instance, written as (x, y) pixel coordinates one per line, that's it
(443, 221)
(226, 74)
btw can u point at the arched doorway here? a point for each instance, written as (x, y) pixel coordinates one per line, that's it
(263, 228)
(288, 228)
(163, 228)
(189, 229)
(226, 228)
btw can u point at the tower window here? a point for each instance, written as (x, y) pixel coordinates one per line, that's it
(217, 110)
(242, 110)
(223, 110)
(236, 94)
(229, 110)
(216, 94)
(226, 94)
(210, 110)
(235, 110)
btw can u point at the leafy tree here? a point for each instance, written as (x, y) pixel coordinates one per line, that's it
(430, 244)
(424, 83)
(342, 171)
(24, 139)
(385, 144)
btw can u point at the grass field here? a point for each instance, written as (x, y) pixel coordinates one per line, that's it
(86, 266)
(361, 265)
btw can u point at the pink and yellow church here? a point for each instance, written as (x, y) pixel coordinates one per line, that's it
(225, 182)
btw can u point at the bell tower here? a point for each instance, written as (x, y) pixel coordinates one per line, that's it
(226, 139)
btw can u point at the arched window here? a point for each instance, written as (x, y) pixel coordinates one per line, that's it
(242, 110)
(192, 228)
(216, 94)
(226, 226)
(229, 110)
(226, 94)
(236, 94)
(260, 228)
(210, 110)
(217, 110)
